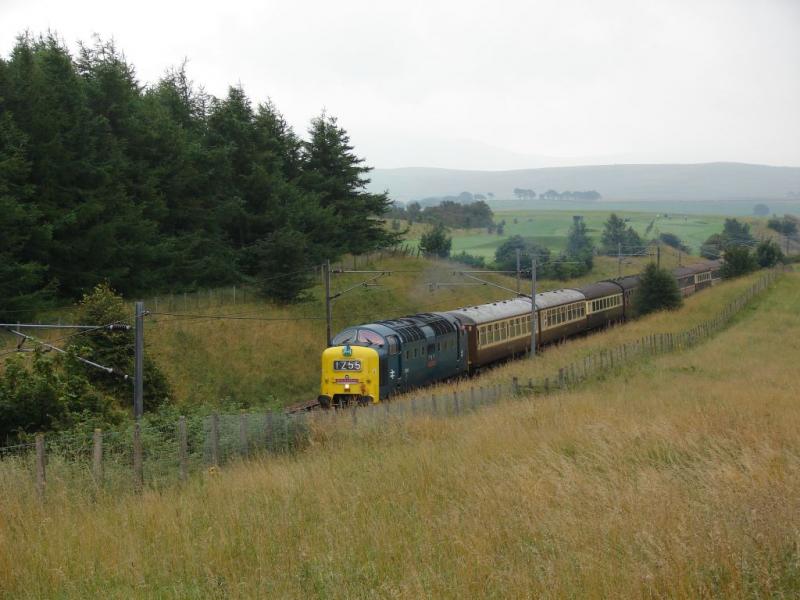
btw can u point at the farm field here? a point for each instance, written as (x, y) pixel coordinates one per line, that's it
(677, 477)
(549, 228)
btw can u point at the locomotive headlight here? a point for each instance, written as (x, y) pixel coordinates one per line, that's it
(347, 387)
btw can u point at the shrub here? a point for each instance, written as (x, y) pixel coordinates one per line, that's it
(768, 254)
(738, 261)
(436, 242)
(657, 290)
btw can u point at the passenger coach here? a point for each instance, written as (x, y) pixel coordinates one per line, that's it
(368, 363)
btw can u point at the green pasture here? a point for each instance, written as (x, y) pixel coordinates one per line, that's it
(550, 228)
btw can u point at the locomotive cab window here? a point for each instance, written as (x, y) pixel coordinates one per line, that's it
(365, 336)
(393, 344)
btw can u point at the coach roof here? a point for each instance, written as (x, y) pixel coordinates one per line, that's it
(506, 309)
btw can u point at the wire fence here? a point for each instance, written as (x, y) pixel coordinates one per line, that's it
(142, 455)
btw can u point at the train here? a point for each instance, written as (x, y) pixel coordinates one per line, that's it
(371, 362)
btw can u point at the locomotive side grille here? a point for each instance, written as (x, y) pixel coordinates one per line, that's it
(405, 328)
(439, 324)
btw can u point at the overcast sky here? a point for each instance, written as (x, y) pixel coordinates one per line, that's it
(467, 84)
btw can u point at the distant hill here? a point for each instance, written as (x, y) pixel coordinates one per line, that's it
(708, 181)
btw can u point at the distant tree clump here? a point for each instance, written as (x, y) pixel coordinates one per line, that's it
(618, 236)
(734, 233)
(561, 267)
(657, 290)
(761, 210)
(436, 242)
(768, 254)
(673, 241)
(449, 212)
(738, 261)
(524, 194)
(785, 226)
(505, 256)
(469, 259)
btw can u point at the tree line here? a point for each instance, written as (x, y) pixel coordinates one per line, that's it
(527, 194)
(448, 213)
(163, 186)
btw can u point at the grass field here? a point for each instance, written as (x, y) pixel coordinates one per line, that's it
(550, 228)
(679, 477)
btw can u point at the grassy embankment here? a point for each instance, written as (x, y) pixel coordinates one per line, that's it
(276, 363)
(678, 478)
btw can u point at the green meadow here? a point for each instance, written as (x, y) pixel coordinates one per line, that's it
(549, 228)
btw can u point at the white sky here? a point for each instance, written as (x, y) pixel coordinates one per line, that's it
(468, 84)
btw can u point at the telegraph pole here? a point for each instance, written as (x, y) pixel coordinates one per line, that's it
(328, 318)
(533, 307)
(658, 256)
(619, 259)
(518, 272)
(138, 374)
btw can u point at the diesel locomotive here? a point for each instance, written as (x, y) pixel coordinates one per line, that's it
(370, 362)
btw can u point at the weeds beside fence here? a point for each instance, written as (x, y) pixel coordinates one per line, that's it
(145, 456)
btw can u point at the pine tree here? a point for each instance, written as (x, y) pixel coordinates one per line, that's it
(338, 177)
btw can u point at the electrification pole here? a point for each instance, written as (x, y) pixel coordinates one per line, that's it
(138, 374)
(533, 307)
(328, 319)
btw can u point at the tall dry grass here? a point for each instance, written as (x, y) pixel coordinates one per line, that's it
(679, 478)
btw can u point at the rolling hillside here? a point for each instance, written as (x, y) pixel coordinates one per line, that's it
(710, 181)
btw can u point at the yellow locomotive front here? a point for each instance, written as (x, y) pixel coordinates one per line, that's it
(350, 374)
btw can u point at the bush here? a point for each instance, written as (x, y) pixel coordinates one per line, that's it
(112, 348)
(673, 241)
(738, 261)
(768, 254)
(657, 290)
(436, 242)
(469, 259)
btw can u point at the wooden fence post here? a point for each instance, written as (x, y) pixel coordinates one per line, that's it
(138, 469)
(183, 450)
(353, 416)
(472, 402)
(215, 440)
(456, 403)
(40, 465)
(434, 408)
(97, 457)
(515, 385)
